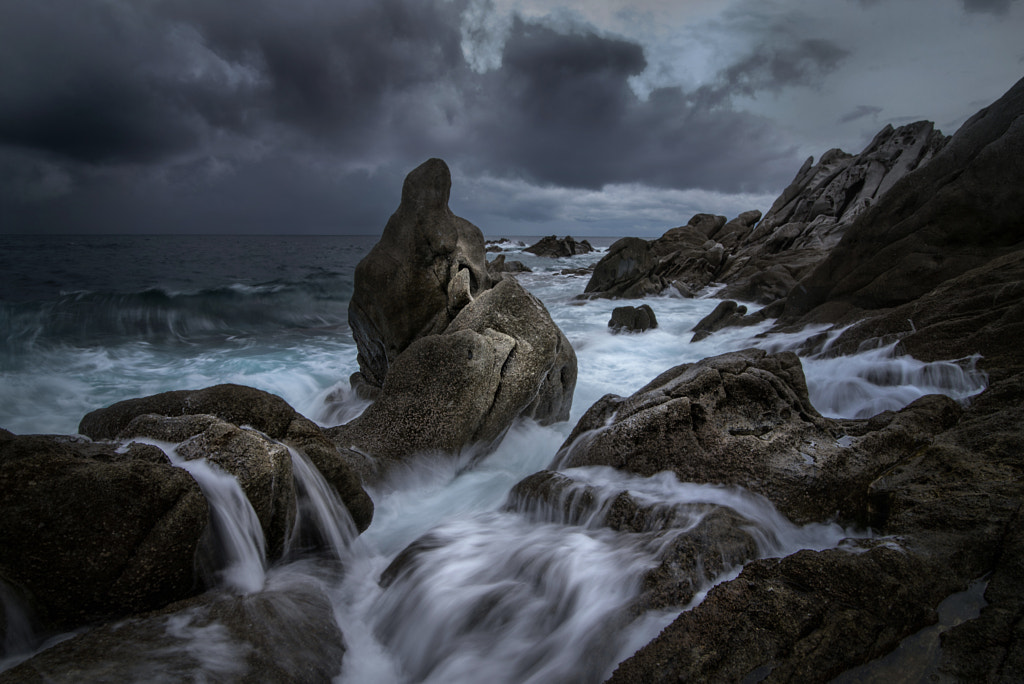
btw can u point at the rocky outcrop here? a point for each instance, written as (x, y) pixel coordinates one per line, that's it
(428, 264)
(684, 258)
(475, 360)
(285, 633)
(632, 319)
(727, 314)
(499, 267)
(935, 264)
(243, 406)
(761, 260)
(502, 357)
(90, 531)
(841, 186)
(262, 466)
(553, 246)
(745, 418)
(954, 214)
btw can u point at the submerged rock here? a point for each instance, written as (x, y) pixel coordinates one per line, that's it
(246, 406)
(92, 532)
(632, 319)
(552, 246)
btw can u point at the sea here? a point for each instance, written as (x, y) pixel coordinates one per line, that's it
(502, 595)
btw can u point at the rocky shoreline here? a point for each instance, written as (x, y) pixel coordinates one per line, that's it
(917, 241)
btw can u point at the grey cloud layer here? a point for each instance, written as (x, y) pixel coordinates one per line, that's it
(204, 111)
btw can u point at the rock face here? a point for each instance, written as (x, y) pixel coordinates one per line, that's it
(761, 260)
(632, 319)
(552, 246)
(501, 357)
(89, 532)
(427, 265)
(954, 214)
(466, 364)
(239, 406)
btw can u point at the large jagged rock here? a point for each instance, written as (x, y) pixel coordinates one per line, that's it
(841, 186)
(947, 511)
(745, 418)
(815, 210)
(428, 264)
(951, 215)
(285, 633)
(92, 532)
(553, 246)
(262, 466)
(500, 358)
(465, 365)
(632, 319)
(243, 406)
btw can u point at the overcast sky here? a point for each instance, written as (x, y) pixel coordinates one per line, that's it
(588, 117)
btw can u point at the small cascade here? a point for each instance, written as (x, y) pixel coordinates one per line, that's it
(237, 546)
(549, 593)
(321, 518)
(876, 380)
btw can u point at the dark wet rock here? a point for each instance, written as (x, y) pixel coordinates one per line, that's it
(951, 215)
(244, 406)
(283, 634)
(499, 266)
(553, 246)
(91, 532)
(745, 418)
(502, 357)
(979, 312)
(262, 466)
(632, 319)
(807, 617)
(625, 271)
(687, 258)
(428, 264)
(726, 314)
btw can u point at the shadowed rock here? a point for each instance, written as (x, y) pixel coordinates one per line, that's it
(501, 357)
(428, 264)
(632, 319)
(285, 633)
(240, 406)
(552, 246)
(89, 532)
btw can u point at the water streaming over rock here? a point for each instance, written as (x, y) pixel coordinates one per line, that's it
(494, 588)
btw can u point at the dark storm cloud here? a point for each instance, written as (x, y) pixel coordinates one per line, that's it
(561, 111)
(859, 112)
(83, 81)
(176, 104)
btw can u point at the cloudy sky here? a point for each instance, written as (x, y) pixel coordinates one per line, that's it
(586, 117)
